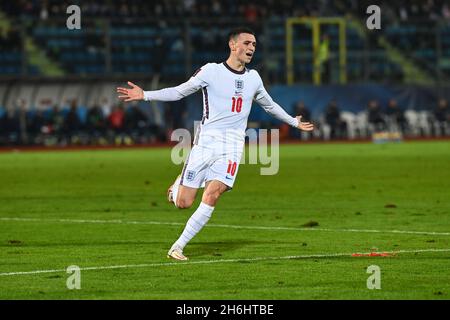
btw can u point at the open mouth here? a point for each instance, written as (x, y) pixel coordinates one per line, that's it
(249, 55)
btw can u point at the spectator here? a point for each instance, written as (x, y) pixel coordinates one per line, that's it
(375, 116)
(106, 107)
(301, 110)
(442, 118)
(12, 126)
(56, 123)
(94, 42)
(36, 126)
(323, 55)
(216, 8)
(395, 117)
(446, 12)
(189, 6)
(96, 125)
(73, 123)
(154, 113)
(251, 13)
(338, 127)
(135, 123)
(16, 123)
(430, 9)
(43, 14)
(116, 123)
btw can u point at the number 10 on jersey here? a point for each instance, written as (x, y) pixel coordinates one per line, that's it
(232, 166)
(236, 104)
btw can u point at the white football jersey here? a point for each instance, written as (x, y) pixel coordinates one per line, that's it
(227, 100)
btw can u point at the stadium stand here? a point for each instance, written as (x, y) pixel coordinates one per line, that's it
(129, 37)
(161, 44)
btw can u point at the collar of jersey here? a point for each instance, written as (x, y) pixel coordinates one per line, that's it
(232, 70)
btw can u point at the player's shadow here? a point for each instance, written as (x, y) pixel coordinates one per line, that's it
(217, 249)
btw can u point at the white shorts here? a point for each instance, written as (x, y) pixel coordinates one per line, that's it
(205, 164)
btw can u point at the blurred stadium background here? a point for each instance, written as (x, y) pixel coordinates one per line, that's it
(106, 211)
(57, 86)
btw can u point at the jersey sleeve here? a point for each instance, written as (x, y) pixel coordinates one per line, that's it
(200, 79)
(263, 98)
(204, 74)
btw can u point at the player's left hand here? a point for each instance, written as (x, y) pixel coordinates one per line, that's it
(305, 126)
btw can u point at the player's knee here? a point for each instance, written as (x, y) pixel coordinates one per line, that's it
(184, 203)
(210, 198)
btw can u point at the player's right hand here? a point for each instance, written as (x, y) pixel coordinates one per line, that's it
(131, 94)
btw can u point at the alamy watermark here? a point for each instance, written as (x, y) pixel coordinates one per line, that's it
(261, 149)
(74, 280)
(73, 22)
(374, 281)
(374, 20)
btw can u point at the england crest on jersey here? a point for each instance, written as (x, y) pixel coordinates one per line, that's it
(239, 84)
(190, 175)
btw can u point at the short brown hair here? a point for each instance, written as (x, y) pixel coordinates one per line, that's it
(237, 31)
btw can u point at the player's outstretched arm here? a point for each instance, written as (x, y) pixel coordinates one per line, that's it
(131, 94)
(305, 126)
(167, 94)
(274, 109)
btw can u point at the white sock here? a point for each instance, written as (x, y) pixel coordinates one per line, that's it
(195, 223)
(176, 186)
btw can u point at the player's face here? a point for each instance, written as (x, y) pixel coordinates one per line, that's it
(244, 47)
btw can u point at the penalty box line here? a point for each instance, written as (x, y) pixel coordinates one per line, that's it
(430, 233)
(181, 263)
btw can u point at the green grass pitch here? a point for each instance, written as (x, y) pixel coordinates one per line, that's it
(106, 210)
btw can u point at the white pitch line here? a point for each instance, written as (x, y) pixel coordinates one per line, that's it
(432, 233)
(164, 264)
